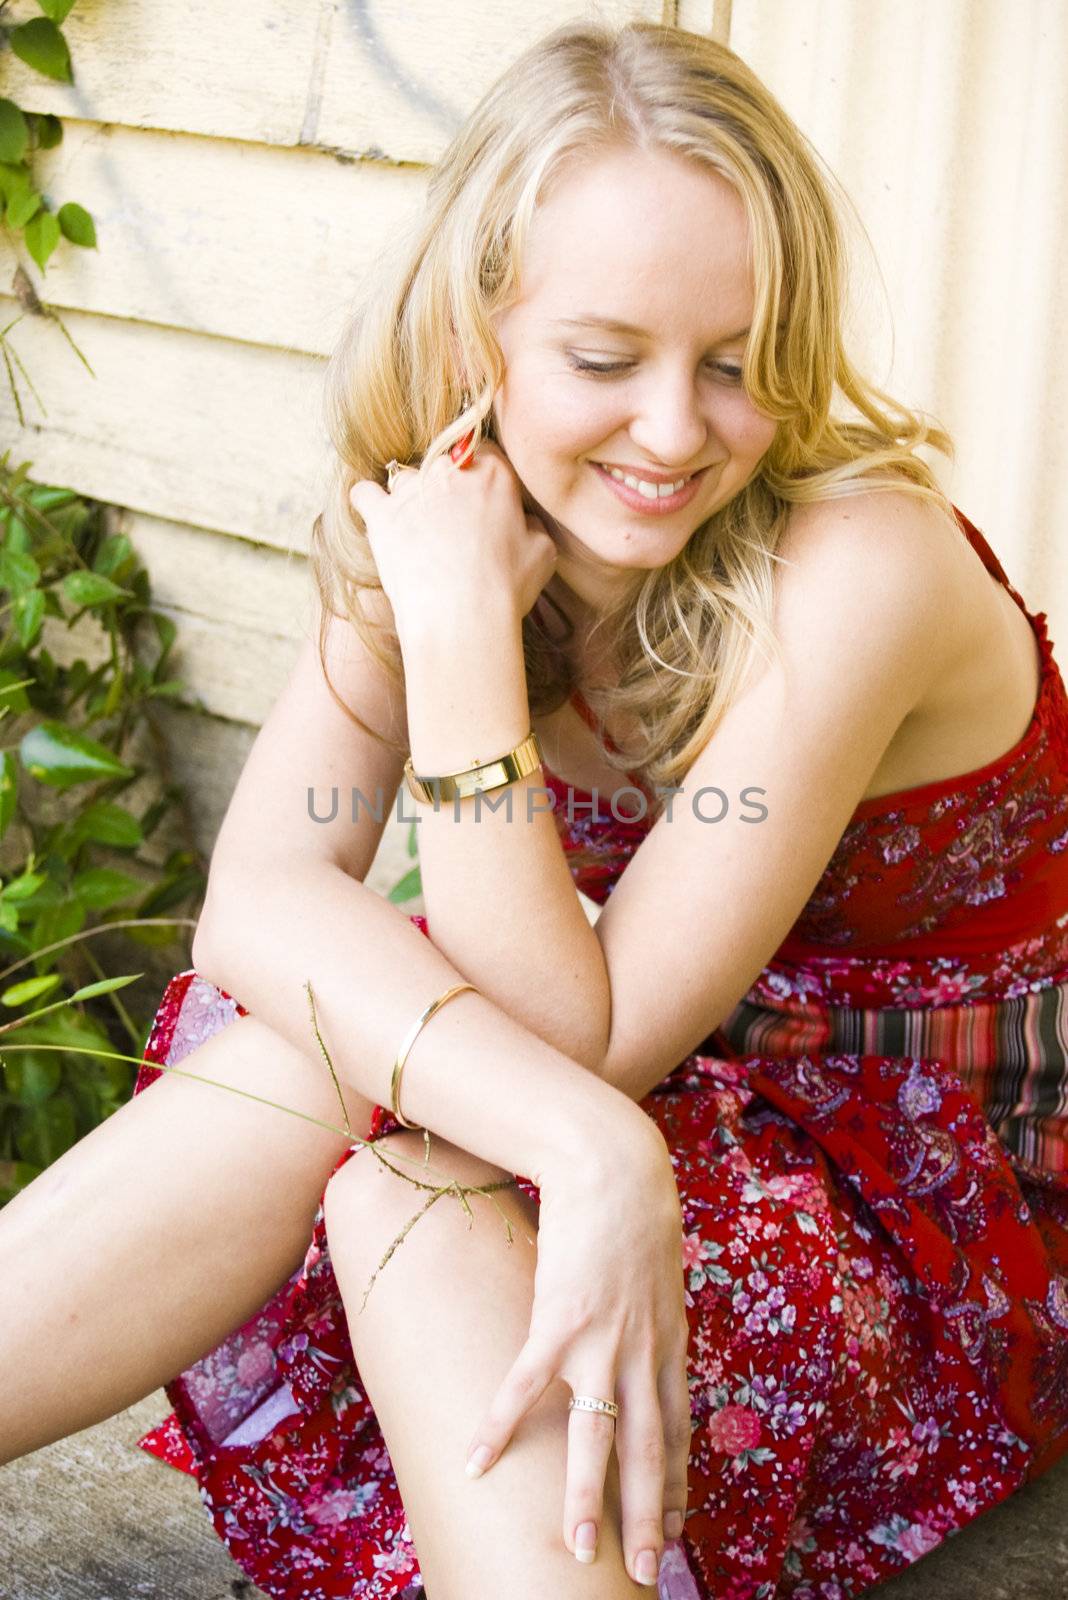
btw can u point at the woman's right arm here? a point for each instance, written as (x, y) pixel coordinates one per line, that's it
(286, 903)
(284, 906)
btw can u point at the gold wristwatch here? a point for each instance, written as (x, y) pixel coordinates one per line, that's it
(517, 763)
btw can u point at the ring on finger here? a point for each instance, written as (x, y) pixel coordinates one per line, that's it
(589, 1402)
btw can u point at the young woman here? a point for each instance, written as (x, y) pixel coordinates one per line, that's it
(780, 1139)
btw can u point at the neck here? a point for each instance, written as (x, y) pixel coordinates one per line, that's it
(589, 659)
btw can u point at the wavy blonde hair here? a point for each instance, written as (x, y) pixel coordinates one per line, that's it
(683, 634)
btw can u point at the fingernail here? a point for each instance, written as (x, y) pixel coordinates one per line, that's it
(586, 1541)
(478, 1461)
(646, 1567)
(673, 1525)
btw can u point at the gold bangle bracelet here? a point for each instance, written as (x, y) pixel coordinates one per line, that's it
(402, 1055)
(480, 776)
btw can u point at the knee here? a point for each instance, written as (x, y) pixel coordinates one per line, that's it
(365, 1198)
(368, 1201)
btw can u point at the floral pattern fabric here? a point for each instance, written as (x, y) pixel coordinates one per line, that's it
(872, 1159)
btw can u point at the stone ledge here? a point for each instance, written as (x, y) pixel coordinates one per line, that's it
(93, 1517)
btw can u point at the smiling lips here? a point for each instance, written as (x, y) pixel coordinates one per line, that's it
(653, 492)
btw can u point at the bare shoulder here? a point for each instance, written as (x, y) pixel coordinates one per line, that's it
(890, 530)
(876, 571)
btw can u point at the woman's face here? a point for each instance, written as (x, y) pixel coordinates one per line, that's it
(653, 241)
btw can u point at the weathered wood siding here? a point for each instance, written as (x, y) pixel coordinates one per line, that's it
(245, 162)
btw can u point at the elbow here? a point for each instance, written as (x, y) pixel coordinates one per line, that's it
(600, 1046)
(591, 1054)
(205, 944)
(209, 939)
(596, 1055)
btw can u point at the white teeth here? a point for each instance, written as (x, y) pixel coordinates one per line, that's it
(651, 491)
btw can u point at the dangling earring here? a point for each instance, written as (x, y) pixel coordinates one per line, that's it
(462, 445)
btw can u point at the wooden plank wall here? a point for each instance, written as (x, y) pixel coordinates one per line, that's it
(946, 122)
(245, 163)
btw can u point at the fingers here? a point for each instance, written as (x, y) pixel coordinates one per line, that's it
(365, 495)
(675, 1413)
(640, 1448)
(590, 1436)
(523, 1386)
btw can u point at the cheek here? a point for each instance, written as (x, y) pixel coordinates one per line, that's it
(548, 419)
(746, 430)
(571, 427)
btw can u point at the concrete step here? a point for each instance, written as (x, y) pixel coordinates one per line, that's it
(94, 1518)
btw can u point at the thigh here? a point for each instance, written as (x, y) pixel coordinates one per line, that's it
(162, 1230)
(445, 1319)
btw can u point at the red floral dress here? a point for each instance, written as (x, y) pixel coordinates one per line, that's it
(872, 1159)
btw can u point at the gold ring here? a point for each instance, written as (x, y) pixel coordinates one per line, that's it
(392, 469)
(589, 1402)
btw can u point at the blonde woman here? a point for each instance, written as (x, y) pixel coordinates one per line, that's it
(773, 1154)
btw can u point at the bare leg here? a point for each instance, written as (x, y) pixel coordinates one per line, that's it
(442, 1324)
(160, 1232)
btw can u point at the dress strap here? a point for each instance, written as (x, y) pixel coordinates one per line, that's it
(584, 711)
(983, 550)
(579, 703)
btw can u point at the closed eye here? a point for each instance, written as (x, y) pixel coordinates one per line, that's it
(731, 374)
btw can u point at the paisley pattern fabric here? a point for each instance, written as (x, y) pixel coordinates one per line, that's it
(872, 1159)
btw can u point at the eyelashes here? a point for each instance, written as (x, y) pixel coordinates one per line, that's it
(729, 373)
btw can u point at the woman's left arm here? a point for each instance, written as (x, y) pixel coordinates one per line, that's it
(500, 900)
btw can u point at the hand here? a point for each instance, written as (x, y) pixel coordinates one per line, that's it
(460, 539)
(609, 1318)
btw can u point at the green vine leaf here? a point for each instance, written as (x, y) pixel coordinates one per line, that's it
(104, 986)
(30, 989)
(91, 588)
(407, 888)
(42, 235)
(100, 887)
(58, 10)
(109, 823)
(23, 205)
(116, 552)
(8, 790)
(77, 225)
(61, 756)
(59, 887)
(19, 572)
(15, 185)
(45, 129)
(41, 45)
(13, 695)
(33, 1080)
(14, 132)
(28, 611)
(22, 887)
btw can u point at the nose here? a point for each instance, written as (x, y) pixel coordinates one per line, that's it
(670, 425)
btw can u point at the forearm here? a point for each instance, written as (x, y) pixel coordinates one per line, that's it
(474, 1075)
(500, 901)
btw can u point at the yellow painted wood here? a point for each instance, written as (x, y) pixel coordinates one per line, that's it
(245, 241)
(246, 162)
(948, 127)
(390, 79)
(207, 431)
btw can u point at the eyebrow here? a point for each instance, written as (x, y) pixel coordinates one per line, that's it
(613, 326)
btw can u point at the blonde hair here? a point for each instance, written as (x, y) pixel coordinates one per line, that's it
(683, 634)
